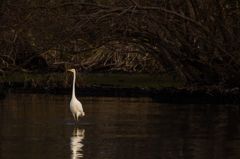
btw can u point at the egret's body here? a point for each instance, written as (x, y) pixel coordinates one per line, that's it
(75, 105)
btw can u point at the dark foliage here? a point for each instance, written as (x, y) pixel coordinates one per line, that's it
(199, 40)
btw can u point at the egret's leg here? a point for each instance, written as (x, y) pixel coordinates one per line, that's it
(74, 116)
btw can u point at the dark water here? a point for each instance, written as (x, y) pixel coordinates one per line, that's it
(41, 127)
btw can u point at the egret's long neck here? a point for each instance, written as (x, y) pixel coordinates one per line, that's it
(73, 88)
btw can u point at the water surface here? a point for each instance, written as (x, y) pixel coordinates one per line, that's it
(38, 126)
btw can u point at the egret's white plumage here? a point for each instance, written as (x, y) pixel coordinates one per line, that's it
(75, 105)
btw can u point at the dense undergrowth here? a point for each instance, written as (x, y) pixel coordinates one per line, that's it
(198, 41)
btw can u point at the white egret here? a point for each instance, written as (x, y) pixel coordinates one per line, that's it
(75, 105)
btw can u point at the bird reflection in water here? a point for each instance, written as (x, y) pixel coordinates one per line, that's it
(76, 143)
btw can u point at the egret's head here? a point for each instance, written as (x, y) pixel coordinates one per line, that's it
(71, 70)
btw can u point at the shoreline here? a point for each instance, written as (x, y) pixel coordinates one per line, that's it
(160, 89)
(161, 95)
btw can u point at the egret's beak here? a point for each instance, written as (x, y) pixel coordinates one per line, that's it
(69, 70)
